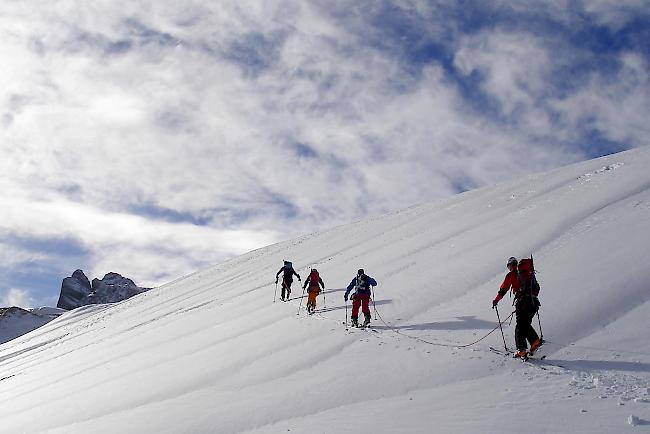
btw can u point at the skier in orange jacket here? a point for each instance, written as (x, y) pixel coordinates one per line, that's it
(314, 280)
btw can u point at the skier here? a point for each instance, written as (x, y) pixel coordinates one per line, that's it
(525, 302)
(287, 279)
(313, 280)
(361, 296)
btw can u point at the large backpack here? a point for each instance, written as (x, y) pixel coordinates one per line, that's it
(362, 286)
(314, 277)
(528, 285)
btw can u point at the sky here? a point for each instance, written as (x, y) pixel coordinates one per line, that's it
(154, 139)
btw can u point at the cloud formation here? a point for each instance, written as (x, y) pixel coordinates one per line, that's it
(157, 138)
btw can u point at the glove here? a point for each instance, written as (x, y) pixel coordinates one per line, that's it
(276, 281)
(345, 297)
(494, 303)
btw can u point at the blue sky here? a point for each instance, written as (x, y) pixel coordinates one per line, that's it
(155, 139)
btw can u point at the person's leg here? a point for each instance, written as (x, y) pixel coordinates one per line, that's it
(311, 301)
(520, 334)
(356, 304)
(531, 334)
(287, 284)
(365, 301)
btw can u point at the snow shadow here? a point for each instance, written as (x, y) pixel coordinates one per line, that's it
(300, 294)
(338, 307)
(328, 290)
(639, 422)
(25, 350)
(462, 323)
(600, 365)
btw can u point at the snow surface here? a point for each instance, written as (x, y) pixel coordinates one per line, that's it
(211, 352)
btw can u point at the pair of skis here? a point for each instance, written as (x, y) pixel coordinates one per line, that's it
(360, 326)
(526, 358)
(533, 359)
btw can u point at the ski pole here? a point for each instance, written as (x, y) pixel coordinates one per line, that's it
(541, 333)
(346, 315)
(324, 303)
(372, 289)
(275, 294)
(303, 296)
(502, 335)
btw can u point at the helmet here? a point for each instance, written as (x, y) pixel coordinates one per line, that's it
(360, 272)
(511, 261)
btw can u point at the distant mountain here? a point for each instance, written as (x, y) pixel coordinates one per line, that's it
(15, 321)
(77, 290)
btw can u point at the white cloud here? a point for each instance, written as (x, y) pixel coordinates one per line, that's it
(515, 66)
(111, 109)
(17, 297)
(129, 244)
(616, 106)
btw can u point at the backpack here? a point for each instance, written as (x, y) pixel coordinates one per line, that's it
(288, 265)
(528, 285)
(314, 277)
(362, 286)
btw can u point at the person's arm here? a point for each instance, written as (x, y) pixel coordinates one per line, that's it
(509, 281)
(320, 280)
(371, 281)
(297, 275)
(349, 288)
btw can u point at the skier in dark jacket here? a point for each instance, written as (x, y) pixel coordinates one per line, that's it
(361, 296)
(525, 290)
(287, 279)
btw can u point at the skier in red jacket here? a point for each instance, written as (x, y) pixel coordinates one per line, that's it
(526, 305)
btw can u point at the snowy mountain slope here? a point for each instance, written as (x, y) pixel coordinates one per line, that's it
(15, 321)
(211, 352)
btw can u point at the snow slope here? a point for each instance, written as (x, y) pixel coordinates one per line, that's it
(211, 352)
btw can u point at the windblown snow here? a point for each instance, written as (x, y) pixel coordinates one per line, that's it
(212, 352)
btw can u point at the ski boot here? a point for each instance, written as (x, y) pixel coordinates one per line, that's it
(521, 354)
(366, 321)
(355, 322)
(535, 346)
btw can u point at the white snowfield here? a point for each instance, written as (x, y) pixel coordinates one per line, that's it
(212, 353)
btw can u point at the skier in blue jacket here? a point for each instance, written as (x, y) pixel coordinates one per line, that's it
(361, 296)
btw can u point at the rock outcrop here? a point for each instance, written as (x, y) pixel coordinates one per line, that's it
(77, 290)
(112, 289)
(74, 290)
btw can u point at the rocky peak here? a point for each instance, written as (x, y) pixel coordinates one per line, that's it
(78, 291)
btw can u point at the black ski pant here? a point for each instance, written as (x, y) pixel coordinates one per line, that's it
(524, 331)
(286, 286)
